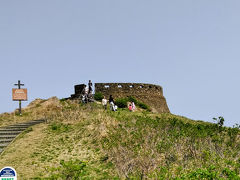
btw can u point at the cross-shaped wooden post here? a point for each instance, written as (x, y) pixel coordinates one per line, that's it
(20, 102)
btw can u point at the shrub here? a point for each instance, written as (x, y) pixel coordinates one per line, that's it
(220, 122)
(69, 170)
(204, 173)
(133, 99)
(98, 96)
(143, 106)
(139, 103)
(73, 169)
(63, 99)
(121, 102)
(230, 174)
(232, 132)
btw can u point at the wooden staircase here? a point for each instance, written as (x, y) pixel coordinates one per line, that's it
(9, 133)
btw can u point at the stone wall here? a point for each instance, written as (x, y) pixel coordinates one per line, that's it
(150, 94)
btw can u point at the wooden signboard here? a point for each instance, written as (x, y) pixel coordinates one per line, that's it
(19, 94)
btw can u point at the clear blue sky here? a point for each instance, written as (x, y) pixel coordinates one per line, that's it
(190, 48)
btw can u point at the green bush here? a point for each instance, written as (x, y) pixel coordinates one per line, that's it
(121, 102)
(143, 106)
(73, 169)
(63, 99)
(133, 99)
(138, 103)
(210, 173)
(220, 122)
(69, 170)
(98, 96)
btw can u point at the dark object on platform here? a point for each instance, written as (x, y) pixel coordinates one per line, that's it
(81, 94)
(78, 91)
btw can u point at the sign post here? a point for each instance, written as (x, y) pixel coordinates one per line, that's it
(19, 95)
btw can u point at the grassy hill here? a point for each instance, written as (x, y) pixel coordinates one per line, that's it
(92, 143)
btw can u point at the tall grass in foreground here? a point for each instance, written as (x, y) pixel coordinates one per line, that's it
(93, 143)
(143, 145)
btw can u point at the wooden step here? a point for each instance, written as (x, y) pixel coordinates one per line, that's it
(9, 133)
(7, 137)
(3, 145)
(13, 129)
(5, 140)
(17, 126)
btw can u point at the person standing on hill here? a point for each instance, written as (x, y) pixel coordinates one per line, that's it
(130, 107)
(104, 102)
(90, 90)
(111, 102)
(90, 87)
(111, 99)
(133, 106)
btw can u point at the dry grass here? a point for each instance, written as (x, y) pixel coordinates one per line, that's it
(38, 109)
(19, 153)
(38, 152)
(137, 144)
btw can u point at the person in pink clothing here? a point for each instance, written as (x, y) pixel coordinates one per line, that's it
(133, 106)
(130, 107)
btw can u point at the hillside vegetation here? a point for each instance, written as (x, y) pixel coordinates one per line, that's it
(87, 142)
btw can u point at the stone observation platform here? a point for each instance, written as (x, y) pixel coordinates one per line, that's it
(149, 94)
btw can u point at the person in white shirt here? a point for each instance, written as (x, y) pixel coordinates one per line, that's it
(104, 102)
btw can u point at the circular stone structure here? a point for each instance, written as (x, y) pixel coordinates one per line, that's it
(149, 94)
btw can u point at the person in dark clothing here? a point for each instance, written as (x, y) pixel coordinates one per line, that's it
(111, 99)
(111, 102)
(90, 87)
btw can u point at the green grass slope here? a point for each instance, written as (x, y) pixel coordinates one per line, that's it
(88, 142)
